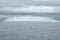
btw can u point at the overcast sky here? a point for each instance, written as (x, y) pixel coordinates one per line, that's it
(30, 5)
(28, 2)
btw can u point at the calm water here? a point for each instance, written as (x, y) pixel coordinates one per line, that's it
(29, 27)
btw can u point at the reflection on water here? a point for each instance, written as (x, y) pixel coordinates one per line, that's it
(30, 17)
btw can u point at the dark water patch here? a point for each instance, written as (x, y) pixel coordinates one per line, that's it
(2, 19)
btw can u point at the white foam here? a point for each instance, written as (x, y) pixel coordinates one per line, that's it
(31, 18)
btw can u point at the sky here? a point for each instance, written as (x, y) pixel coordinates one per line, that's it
(28, 2)
(30, 5)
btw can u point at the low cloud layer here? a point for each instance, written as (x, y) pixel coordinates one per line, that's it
(32, 9)
(30, 5)
(17, 3)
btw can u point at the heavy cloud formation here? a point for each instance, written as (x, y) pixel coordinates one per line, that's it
(18, 3)
(30, 6)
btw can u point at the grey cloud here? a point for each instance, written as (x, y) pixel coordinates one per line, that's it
(28, 2)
